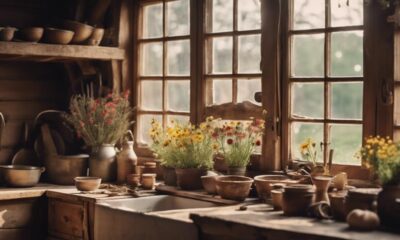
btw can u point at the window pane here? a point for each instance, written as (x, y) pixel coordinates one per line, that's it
(222, 55)
(152, 59)
(178, 96)
(221, 91)
(249, 54)
(247, 88)
(178, 54)
(177, 17)
(343, 15)
(145, 125)
(249, 14)
(346, 141)
(308, 55)
(309, 14)
(177, 118)
(152, 21)
(397, 106)
(347, 54)
(308, 100)
(347, 99)
(396, 135)
(303, 131)
(222, 16)
(151, 95)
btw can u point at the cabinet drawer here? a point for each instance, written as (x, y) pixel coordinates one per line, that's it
(65, 219)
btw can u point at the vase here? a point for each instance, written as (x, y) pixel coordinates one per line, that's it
(321, 188)
(126, 161)
(102, 163)
(389, 206)
(239, 171)
(169, 176)
(189, 178)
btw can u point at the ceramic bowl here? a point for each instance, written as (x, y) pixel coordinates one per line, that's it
(209, 184)
(234, 187)
(96, 37)
(82, 31)
(87, 183)
(7, 33)
(264, 184)
(58, 36)
(31, 34)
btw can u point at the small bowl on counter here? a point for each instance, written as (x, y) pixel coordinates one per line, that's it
(21, 176)
(87, 184)
(31, 34)
(58, 36)
(7, 33)
(82, 31)
(234, 187)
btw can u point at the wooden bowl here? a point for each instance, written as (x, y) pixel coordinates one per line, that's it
(58, 36)
(264, 184)
(82, 31)
(31, 34)
(234, 187)
(209, 184)
(7, 33)
(87, 183)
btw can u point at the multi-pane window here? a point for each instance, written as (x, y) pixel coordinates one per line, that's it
(326, 77)
(232, 46)
(164, 70)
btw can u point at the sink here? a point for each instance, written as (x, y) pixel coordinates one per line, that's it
(155, 217)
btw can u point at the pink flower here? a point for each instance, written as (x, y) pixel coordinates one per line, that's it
(229, 141)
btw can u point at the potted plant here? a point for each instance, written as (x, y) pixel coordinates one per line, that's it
(237, 141)
(382, 157)
(187, 149)
(101, 123)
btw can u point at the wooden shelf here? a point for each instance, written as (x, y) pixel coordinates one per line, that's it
(53, 52)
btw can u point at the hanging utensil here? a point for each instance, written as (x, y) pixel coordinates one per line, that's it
(26, 155)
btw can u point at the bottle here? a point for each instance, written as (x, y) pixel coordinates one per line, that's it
(126, 159)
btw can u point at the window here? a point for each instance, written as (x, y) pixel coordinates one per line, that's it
(164, 57)
(325, 78)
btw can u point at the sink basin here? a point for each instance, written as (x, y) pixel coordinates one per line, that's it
(156, 217)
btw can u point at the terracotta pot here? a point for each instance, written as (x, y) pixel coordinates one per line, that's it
(264, 184)
(82, 31)
(190, 178)
(31, 34)
(237, 171)
(220, 164)
(210, 184)
(389, 206)
(148, 181)
(7, 33)
(133, 180)
(58, 36)
(337, 205)
(321, 184)
(169, 176)
(234, 187)
(87, 183)
(297, 198)
(277, 196)
(126, 161)
(361, 198)
(102, 163)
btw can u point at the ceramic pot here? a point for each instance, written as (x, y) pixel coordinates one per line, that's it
(58, 36)
(96, 37)
(276, 196)
(296, 199)
(189, 178)
(148, 181)
(321, 184)
(209, 184)
(220, 164)
(82, 31)
(169, 176)
(7, 33)
(102, 163)
(87, 183)
(361, 198)
(133, 180)
(389, 206)
(150, 167)
(264, 184)
(237, 171)
(234, 187)
(337, 205)
(126, 161)
(31, 34)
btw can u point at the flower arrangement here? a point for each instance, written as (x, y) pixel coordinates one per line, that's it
(237, 140)
(382, 155)
(183, 145)
(308, 151)
(100, 121)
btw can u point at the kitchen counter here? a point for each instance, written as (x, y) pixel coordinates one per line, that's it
(39, 190)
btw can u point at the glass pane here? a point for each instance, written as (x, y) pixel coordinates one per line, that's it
(177, 118)
(178, 54)
(221, 91)
(249, 14)
(222, 16)
(144, 127)
(308, 100)
(222, 55)
(303, 131)
(347, 15)
(396, 135)
(347, 54)
(178, 96)
(249, 54)
(178, 17)
(152, 21)
(309, 14)
(397, 105)
(346, 141)
(347, 100)
(151, 95)
(247, 88)
(152, 59)
(308, 55)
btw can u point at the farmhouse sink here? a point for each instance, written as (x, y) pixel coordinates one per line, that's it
(156, 217)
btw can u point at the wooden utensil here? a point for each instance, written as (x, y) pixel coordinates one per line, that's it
(26, 155)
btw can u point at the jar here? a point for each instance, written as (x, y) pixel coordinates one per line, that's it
(296, 199)
(361, 198)
(150, 167)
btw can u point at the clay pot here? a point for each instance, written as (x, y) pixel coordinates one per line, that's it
(87, 183)
(264, 184)
(297, 199)
(58, 36)
(234, 187)
(389, 206)
(133, 180)
(7, 33)
(237, 171)
(148, 181)
(150, 167)
(210, 184)
(337, 205)
(321, 184)
(82, 31)
(189, 178)
(31, 34)
(220, 164)
(277, 199)
(169, 176)
(96, 37)
(361, 198)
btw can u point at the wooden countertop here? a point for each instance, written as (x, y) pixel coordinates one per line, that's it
(32, 192)
(260, 222)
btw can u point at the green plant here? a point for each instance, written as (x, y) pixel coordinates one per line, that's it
(100, 121)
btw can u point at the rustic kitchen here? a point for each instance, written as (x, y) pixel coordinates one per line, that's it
(199, 119)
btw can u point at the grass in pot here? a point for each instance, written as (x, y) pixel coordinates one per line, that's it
(101, 123)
